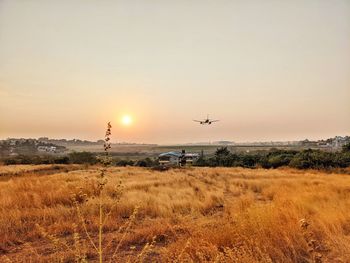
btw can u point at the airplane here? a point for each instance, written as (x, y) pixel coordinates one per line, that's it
(206, 121)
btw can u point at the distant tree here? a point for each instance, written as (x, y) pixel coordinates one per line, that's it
(61, 160)
(222, 152)
(277, 158)
(222, 157)
(250, 160)
(313, 159)
(201, 161)
(342, 159)
(346, 147)
(10, 161)
(124, 163)
(147, 162)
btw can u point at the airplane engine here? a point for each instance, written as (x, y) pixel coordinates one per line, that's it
(210, 122)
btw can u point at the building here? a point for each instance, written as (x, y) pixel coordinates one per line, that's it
(170, 158)
(190, 158)
(177, 158)
(48, 149)
(339, 141)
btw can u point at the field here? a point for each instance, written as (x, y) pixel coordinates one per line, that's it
(51, 214)
(142, 151)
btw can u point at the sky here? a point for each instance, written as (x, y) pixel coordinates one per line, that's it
(269, 70)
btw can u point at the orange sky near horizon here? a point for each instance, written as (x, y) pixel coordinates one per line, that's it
(269, 70)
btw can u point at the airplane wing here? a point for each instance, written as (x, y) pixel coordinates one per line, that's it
(197, 121)
(214, 120)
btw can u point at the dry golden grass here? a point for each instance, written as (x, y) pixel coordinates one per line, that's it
(42, 168)
(184, 215)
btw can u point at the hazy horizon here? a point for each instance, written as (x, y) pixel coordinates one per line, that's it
(175, 143)
(269, 70)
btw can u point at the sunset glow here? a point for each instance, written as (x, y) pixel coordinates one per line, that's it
(126, 120)
(275, 71)
(186, 131)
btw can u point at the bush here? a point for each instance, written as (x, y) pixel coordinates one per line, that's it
(147, 162)
(76, 157)
(82, 158)
(10, 161)
(342, 159)
(313, 159)
(33, 159)
(223, 157)
(277, 158)
(201, 161)
(61, 160)
(346, 147)
(250, 161)
(124, 163)
(25, 159)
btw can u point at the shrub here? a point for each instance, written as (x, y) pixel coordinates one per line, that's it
(25, 159)
(124, 163)
(223, 157)
(250, 161)
(10, 161)
(61, 160)
(82, 158)
(342, 159)
(277, 158)
(313, 159)
(201, 161)
(305, 159)
(346, 147)
(147, 162)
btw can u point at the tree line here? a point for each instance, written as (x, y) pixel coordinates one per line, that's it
(275, 158)
(223, 157)
(75, 158)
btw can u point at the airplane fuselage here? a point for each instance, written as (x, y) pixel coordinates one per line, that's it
(206, 122)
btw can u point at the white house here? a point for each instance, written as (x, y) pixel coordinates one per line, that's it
(50, 149)
(177, 158)
(170, 158)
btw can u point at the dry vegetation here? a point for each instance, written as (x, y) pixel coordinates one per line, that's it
(183, 215)
(11, 170)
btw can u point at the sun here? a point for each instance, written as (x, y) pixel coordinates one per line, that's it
(126, 120)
